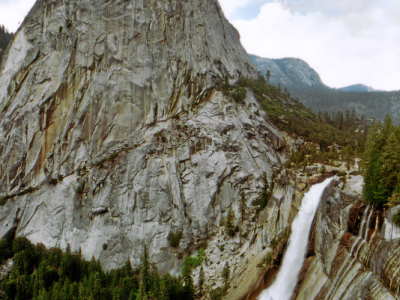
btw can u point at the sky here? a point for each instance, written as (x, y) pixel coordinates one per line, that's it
(346, 41)
(13, 12)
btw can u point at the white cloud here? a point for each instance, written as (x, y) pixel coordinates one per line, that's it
(12, 13)
(357, 46)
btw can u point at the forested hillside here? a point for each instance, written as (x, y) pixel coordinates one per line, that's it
(5, 38)
(321, 131)
(371, 104)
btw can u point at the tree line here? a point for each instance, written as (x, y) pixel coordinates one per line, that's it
(382, 165)
(5, 37)
(324, 133)
(40, 274)
(372, 104)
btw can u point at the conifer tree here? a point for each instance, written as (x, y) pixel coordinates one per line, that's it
(268, 76)
(242, 205)
(226, 272)
(145, 274)
(187, 280)
(142, 292)
(201, 281)
(163, 290)
(229, 225)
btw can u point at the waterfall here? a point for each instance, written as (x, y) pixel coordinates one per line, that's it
(364, 219)
(365, 236)
(286, 280)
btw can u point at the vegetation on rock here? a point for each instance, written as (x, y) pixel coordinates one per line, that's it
(174, 239)
(323, 134)
(230, 223)
(278, 244)
(262, 201)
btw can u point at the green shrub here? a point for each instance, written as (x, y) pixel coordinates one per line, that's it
(174, 239)
(396, 219)
(81, 188)
(202, 245)
(229, 224)
(195, 261)
(217, 293)
(239, 94)
(111, 158)
(53, 181)
(262, 201)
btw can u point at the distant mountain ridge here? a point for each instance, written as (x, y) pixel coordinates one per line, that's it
(288, 71)
(358, 88)
(304, 83)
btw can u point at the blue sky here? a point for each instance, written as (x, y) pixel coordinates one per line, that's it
(345, 41)
(249, 11)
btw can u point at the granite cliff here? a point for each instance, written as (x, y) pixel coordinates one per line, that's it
(288, 71)
(112, 132)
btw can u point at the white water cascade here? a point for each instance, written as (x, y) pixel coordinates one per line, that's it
(286, 280)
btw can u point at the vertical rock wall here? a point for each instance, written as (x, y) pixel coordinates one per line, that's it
(82, 76)
(352, 258)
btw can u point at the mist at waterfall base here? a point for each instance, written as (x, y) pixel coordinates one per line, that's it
(286, 280)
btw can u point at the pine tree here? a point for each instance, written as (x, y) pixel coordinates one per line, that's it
(268, 76)
(201, 281)
(43, 295)
(242, 205)
(142, 292)
(163, 290)
(187, 282)
(381, 160)
(154, 282)
(145, 274)
(226, 272)
(229, 225)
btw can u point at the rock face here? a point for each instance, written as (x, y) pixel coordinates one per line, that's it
(353, 249)
(81, 77)
(353, 257)
(288, 71)
(111, 132)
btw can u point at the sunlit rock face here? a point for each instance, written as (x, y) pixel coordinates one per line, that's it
(353, 259)
(111, 124)
(82, 76)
